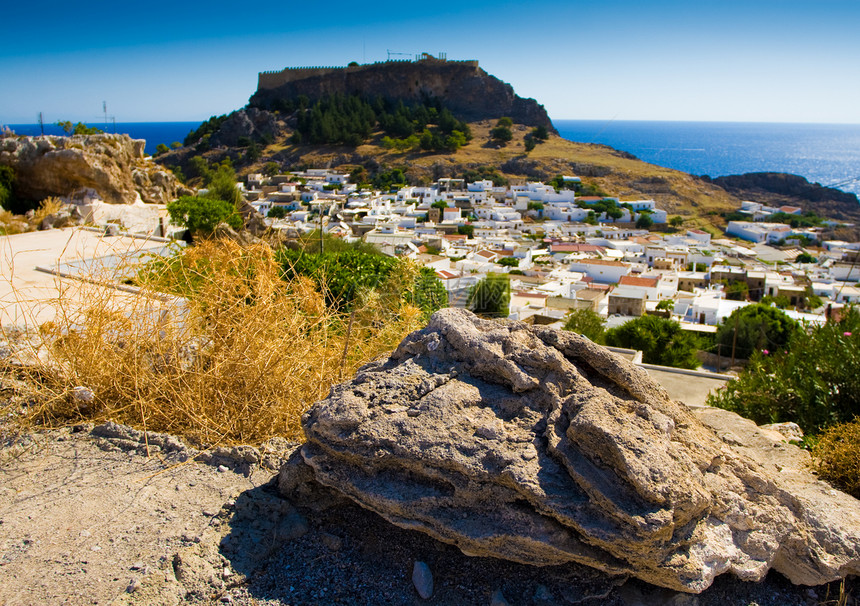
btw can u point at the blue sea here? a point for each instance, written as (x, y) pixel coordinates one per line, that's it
(828, 154)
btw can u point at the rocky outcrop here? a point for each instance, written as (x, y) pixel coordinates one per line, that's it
(463, 87)
(537, 446)
(250, 123)
(111, 165)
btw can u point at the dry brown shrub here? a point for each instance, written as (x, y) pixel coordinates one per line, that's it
(48, 206)
(11, 224)
(837, 456)
(237, 359)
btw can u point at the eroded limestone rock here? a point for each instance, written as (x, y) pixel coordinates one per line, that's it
(537, 446)
(111, 165)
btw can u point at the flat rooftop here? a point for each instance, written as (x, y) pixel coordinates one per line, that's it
(32, 266)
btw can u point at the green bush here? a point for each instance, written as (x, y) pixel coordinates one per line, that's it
(343, 275)
(586, 323)
(661, 341)
(501, 134)
(813, 380)
(7, 183)
(491, 296)
(760, 327)
(644, 221)
(202, 215)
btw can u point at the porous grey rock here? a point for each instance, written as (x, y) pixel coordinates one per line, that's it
(537, 446)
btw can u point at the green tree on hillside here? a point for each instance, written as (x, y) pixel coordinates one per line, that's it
(644, 221)
(78, 129)
(759, 327)
(540, 133)
(501, 134)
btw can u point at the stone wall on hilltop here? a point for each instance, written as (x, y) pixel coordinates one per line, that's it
(466, 89)
(112, 165)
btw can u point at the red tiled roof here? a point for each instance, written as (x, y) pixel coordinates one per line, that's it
(444, 274)
(633, 281)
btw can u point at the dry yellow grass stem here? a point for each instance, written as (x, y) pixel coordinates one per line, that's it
(237, 358)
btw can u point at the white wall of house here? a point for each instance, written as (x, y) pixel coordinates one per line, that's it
(600, 272)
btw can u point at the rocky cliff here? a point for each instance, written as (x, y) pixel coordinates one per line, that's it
(112, 165)
(462, 86)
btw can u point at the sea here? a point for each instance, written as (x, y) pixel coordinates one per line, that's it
(828, 154)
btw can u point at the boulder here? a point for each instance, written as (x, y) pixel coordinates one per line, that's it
(535, 445)
(112, 165)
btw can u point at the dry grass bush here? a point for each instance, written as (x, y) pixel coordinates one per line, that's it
(837, 456)
(11, 224)
(234, 354)
(48, 206)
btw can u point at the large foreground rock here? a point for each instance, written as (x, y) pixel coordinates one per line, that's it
(537, 446)
(112, 165)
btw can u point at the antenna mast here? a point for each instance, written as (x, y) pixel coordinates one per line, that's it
(41, 124)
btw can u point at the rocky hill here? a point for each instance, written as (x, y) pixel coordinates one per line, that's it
(462, 86)
(112, 165)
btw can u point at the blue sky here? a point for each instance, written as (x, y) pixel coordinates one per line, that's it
(773, 61)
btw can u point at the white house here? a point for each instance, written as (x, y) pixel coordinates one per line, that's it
(600, 270)
(758, 232)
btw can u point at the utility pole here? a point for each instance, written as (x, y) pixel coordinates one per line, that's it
(41, 124)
